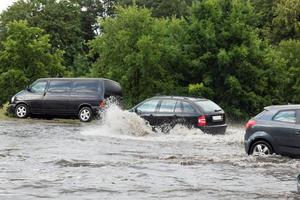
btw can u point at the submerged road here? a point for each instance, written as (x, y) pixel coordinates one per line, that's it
(93, 161)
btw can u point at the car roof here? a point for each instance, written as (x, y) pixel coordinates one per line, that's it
(282, 107)
(73, 79)
(179, 98)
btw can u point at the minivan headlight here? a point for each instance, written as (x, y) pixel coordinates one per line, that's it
(12, 99)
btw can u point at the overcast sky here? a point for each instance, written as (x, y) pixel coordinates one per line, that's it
(5, 3)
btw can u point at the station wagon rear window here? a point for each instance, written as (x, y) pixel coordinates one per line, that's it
(187, 108)
(208, 106)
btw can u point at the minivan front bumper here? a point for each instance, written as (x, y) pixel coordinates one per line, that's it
(11, 108)
(216, 129)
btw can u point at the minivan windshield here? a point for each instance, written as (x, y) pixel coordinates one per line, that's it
(208, 106)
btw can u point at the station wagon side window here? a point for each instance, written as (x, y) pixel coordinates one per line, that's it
(167, 105)
(59, 86)
(85, 87)
(148, 106)
(178, 107)
(288, 116)
(187, 108)
(39, 87)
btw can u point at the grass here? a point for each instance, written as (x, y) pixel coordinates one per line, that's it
(5, 116)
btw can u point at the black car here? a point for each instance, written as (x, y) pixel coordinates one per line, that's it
(80, 97)
(167, 111)
(275, 130)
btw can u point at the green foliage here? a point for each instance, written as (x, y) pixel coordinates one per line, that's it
(26, 56)
(290, 51)
(228, 57)
(140, 51)
(200, 90)
(68, 24)
(286, 23)
(243, 54)
(162, 8)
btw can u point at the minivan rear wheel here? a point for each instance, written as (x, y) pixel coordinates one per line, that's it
(261, 148)
(21, 111)
(85, 114)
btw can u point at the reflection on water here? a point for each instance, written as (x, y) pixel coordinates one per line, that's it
(122, 158)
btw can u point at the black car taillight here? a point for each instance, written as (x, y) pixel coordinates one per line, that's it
(250, 123)
(202, 121)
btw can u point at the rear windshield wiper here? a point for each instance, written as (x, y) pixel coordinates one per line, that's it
(218, 110)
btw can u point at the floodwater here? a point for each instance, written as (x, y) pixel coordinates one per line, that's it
(121, 158)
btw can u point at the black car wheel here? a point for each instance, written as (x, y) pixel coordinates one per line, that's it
(22, 111)
(261, 148)
(85, 114)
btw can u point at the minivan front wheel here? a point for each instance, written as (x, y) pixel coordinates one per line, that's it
(21, 111)
(261, 148)
(85, 114)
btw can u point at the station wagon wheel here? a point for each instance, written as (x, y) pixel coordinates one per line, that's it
(85, 114)
(261, 148)
(21, 111)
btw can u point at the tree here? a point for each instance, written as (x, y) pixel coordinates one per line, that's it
(229, 61)
(143, 53)
(26, 56)
(70, 24)
(290, 51)
(264, 14)
(163, 8)
(286, 22)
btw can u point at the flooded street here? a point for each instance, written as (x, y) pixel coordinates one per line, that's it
(129, 161)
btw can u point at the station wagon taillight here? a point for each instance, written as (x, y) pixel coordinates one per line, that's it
(250, 123)
(202, 121)
(102, 104)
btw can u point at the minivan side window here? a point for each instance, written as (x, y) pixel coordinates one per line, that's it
(85, 86)
(288, 116)
(59, 86)
(148, 106)
(167, 105)
(39, 87)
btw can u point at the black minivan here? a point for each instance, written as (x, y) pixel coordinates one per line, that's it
(165, 112)
(82, 97)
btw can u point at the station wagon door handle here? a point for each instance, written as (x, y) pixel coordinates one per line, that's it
(298, 132)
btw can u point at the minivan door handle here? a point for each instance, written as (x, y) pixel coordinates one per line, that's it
(298, 132)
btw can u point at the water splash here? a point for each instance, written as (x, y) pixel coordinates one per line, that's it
(116, 122)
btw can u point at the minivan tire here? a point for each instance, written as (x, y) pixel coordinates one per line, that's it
(22, 111)
(85, 114)
(261, 147)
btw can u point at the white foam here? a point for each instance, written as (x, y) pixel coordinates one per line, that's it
(128, 125)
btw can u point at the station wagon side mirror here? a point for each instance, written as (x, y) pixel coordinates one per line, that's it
(138, 111)
(28, 89)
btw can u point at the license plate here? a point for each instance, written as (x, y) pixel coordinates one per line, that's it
(217, 118)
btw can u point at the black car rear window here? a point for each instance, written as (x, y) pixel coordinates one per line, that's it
(208, 106)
